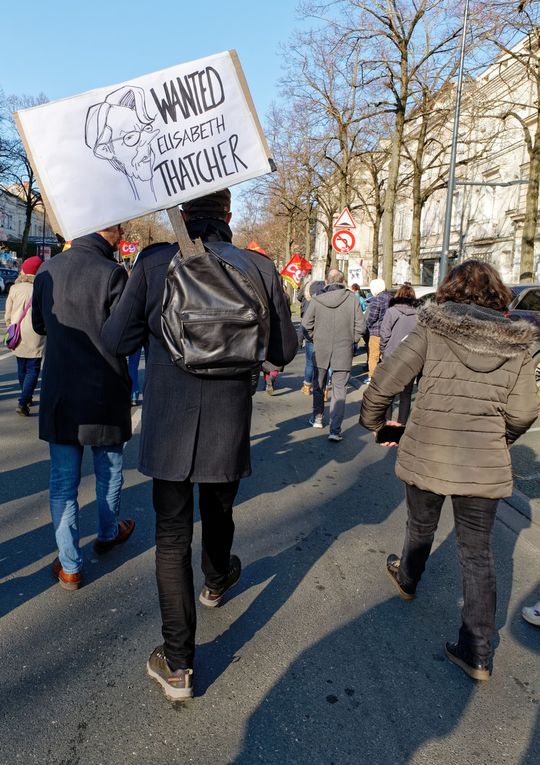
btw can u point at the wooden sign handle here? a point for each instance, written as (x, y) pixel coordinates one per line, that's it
(188, 248)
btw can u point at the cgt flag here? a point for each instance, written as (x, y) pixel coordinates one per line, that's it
(296, 269)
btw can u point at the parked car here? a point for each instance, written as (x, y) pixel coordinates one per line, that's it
(8, 276)
(526, 305)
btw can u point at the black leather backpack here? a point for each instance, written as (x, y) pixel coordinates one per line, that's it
(215, 316)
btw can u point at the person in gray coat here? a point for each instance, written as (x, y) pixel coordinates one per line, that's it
(399, 320)
(334, 322)
(195, 430)
(477, 395)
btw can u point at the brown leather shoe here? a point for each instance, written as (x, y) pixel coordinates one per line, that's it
(67, 581)
(125, 530)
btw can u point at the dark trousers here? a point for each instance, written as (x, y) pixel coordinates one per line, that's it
(404, 405)
(340, 380)
(173, 503)
(28, 373)
(474, 518)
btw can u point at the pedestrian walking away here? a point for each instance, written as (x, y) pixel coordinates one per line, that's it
(195, 430)
(30, 347)
(334, 322)
(399, 320)
(476, 396)
(84, 392)
(304, 296)
(374, 317)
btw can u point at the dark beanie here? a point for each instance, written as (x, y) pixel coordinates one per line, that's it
(215, 205)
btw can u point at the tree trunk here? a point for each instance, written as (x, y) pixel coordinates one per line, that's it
(416, 232)
(307, 245)
(531, 215)
(390, 201)
(27, 226)
(375, 247)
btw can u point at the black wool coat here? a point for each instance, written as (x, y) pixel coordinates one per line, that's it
(193, 427)
(85, 391)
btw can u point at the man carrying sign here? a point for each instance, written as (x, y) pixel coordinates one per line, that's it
(195, 429)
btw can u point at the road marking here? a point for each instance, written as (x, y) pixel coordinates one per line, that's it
(136, 418)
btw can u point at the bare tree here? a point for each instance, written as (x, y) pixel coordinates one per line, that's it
(17, 175)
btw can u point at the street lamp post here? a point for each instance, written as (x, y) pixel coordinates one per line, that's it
(443, 264)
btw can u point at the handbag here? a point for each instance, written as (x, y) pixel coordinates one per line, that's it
(12, 337)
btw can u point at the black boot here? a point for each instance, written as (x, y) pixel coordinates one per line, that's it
(476, 668)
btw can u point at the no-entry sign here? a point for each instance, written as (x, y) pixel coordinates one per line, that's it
(343, 241)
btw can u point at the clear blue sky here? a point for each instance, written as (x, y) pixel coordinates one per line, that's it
(64, 47)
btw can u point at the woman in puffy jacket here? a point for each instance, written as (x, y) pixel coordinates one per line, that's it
(29, 351)
(399, 320)
(477, 395)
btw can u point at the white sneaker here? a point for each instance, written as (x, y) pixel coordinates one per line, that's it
(317, 421)
(531, 614)
(335, 437)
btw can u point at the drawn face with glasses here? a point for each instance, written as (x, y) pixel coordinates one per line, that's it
(120, 130)
(129, 143)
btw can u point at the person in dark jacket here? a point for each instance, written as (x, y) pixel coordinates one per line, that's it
(477, 395)
(335, 323)
(85, 392)
(374, 317)
(399, 321)
(195, 430)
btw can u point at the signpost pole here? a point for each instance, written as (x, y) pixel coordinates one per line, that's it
(186, 245)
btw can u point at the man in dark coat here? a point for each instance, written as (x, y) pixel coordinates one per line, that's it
(334, 321)
(195, 429)
(85, 392)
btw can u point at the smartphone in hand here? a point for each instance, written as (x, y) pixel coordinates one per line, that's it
(390, 434)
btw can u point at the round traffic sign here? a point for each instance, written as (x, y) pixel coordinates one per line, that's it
(343, 241)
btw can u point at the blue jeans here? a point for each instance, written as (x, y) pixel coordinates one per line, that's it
(133, 369)
(308, 371)
(65, 478)
(28, 373)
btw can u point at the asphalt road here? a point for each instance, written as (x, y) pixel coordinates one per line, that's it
(313, 659)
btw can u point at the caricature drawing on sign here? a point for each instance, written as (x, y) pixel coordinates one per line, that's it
(120, 130)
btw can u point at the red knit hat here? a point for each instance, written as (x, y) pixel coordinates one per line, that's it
(31, 265)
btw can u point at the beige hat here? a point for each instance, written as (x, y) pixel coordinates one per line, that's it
(376, 286)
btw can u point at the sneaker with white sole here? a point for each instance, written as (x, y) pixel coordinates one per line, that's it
(177, 685)
(335, 437)
(531, 614)
(317, 421)
(212, 598)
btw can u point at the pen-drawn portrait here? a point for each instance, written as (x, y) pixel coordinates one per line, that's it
(120, 130)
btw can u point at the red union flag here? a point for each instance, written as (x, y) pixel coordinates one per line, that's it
(295, 270)
(128, 249)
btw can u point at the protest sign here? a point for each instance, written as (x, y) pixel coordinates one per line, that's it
(295, 270)
(149, 144)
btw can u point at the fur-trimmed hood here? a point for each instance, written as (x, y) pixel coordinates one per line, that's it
(481, 337)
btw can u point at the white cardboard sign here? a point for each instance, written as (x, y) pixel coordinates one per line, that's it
(122, 151)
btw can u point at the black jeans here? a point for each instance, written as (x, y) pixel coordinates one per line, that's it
(474, 518)
(173, 503)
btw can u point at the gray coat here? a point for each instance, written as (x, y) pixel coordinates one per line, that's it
(193, 427)
(399, 321)
(476, 396)
(334, 320)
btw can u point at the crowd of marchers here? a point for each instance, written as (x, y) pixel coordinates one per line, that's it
(462, 371)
